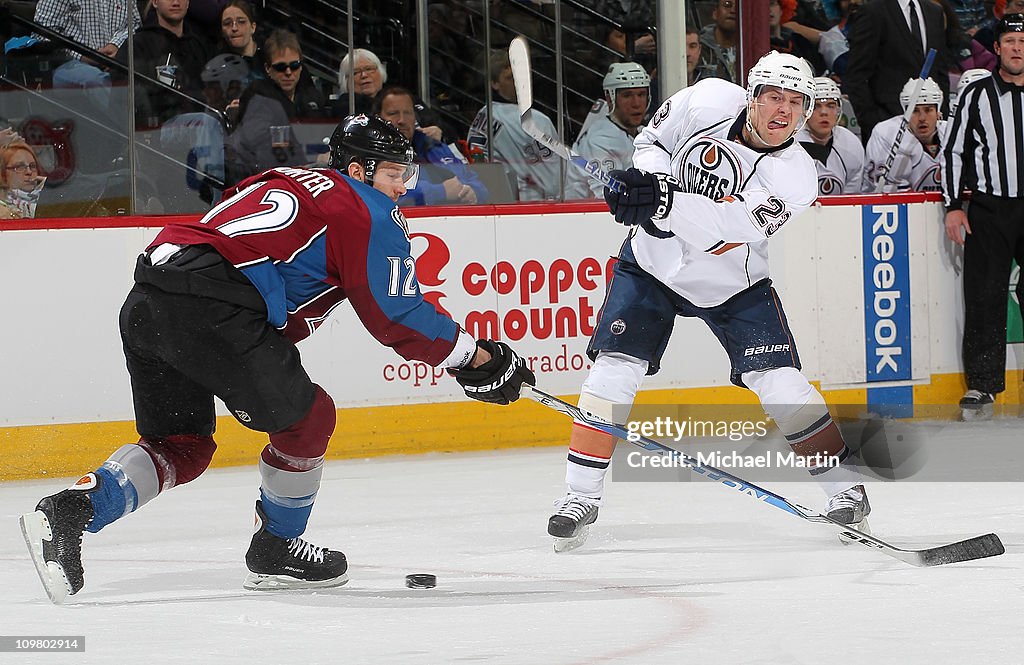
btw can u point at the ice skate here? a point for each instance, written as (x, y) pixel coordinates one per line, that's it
(570, 525)
(850, 507)
(53, 533)
(976, 405)
(290, 563)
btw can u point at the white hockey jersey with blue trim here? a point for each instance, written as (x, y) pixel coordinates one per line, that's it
(537, 170)
(841, 172)
(734, 197)
(603, 143)
(913, 170)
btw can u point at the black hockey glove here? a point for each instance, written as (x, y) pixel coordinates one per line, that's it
(646, 201)
(498, 380)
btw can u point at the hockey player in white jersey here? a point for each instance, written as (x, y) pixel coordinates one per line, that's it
(917, 166)
(537, 170)
(717, 173)
(837, 152)
(608, 141)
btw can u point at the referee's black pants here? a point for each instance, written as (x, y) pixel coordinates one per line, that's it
(996, 239)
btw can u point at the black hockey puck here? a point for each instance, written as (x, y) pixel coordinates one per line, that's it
(421, 581)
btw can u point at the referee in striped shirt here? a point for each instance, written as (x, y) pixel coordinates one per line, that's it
(985, 153)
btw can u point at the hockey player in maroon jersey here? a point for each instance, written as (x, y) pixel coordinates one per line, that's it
(216, 309)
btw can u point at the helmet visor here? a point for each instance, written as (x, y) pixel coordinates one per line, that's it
(395, 173)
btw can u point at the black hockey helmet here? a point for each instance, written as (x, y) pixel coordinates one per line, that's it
(1009, 23)
(368, 140)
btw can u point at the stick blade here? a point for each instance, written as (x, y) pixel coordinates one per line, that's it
(979, 547)
(519, 58)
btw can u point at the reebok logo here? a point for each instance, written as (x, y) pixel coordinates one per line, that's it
(886, 293)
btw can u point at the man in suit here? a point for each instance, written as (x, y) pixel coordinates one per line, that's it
(888, 41)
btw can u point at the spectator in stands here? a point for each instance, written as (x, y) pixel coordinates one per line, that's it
(609, 139)
(20, 181)
(986, 35)
(97, 24)
(172, 53)
(888, 41)
(287, 81)
(970, 14)
(833, 45)
(788, 36)
(366, 77)
(536, 169)
(288, 95)
(238, 36)
(917, 166)
(693, 72)
(643, 45)
(367, 82)
(966, 52)
(718, 42)
(813, 14)
(837, 152)
(644, 51)
(444, 176)
(637, 17)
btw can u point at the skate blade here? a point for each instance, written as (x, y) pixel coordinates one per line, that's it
(36, 528)
(569, 544)
(862, 527)
(973, 415)
(260, 582)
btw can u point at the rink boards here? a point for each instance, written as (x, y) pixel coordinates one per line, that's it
(870, 285)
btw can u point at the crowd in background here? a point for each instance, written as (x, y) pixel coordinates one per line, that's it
(222, 79)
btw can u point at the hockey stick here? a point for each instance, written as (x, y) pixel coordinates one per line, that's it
(519, 57)
(978, 547)
(905, 121)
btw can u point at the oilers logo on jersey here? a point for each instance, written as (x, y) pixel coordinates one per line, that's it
(829, 184)
(931, 181)
(734, 196)
(710, 168)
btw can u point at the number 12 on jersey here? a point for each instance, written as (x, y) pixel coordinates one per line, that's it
(408, 285)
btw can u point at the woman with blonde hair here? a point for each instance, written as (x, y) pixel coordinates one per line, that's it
(20, 181)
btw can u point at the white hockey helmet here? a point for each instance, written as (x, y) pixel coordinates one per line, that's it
(782, 70)
(930, 93)
(826, 88)
(969, 77)
(624, 75)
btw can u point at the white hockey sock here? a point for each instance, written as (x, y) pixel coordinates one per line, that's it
(584, 474)
(839, 478)
(607, 393)
(802, 416)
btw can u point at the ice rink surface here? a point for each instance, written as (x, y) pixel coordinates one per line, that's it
(673, 573)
